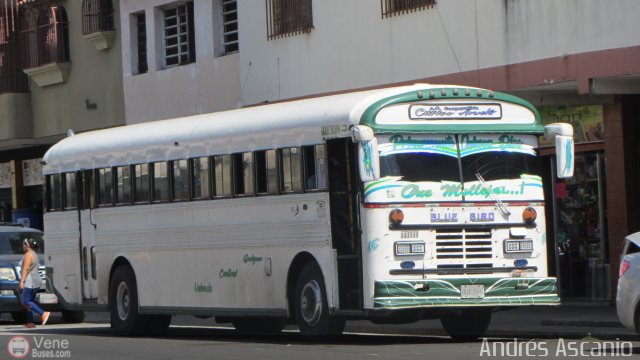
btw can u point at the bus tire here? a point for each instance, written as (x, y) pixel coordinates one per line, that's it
(73, 317)
(466, 324)
(258, 326)
(123, 303)
(312, 310)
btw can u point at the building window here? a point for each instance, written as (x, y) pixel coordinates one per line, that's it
(229, 11)
(97, 15)
(178, 38)
(141, 43)
(44, 36)
(399, 7)
(12, 79)
(288, 17)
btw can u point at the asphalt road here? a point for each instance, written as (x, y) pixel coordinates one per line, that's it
(191, 338)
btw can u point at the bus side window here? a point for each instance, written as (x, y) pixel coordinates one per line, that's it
(141, 183)
(180, 180)
(315, 167)
(243, 173)
(123, 185)
(54, 184)
(89, 201)
(160, 182)
(70, 191)
(222, 178)
(266, 172)
(200, 175)
(105, 187)
(291, 170)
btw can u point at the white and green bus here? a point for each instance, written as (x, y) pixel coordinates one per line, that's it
(393, 205)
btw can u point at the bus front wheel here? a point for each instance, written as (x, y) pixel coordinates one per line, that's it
(467, 324)
(312, 310)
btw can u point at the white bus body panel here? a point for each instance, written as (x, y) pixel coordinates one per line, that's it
(202, 254)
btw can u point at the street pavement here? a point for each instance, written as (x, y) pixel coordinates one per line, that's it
(574, 330)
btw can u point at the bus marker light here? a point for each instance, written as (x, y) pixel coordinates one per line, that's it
(407, 264)
(396, 216)
(529, 215)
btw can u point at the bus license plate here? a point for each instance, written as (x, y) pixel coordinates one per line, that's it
(472, 291)
(46, 298)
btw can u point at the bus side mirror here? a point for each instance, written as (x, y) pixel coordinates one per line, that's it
(369, 160)
(562, 134)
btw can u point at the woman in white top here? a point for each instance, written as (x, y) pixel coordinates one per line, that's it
(30, 282)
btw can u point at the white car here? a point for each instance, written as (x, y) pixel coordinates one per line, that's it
(628, 298)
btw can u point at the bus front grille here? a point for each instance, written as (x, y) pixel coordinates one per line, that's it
(471, 247)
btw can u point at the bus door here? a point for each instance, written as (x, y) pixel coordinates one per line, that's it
(88, 269)
(345, 229)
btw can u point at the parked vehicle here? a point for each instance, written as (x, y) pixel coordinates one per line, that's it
(628, 298)
(11, 238)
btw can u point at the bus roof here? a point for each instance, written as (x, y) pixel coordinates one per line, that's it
(286, 124)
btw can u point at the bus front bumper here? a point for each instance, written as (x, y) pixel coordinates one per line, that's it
(470, 291)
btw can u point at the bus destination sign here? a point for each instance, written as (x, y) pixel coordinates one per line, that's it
(457, 111)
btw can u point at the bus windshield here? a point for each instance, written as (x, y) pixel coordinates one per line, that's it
(499, 165)
(420, 166)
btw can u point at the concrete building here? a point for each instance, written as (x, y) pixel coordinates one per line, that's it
(60, 69)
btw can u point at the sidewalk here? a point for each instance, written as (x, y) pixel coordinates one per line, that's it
(570, 320)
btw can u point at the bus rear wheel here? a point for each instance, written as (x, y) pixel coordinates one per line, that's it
(312, 310)
(467, 324)
(123, 303)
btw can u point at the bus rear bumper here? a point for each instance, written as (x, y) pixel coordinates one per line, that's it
(453, 292)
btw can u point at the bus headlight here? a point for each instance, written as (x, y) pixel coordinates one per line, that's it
(396, 216)
(518, 246)
(7, 274)
(529, 215)
(409, 248)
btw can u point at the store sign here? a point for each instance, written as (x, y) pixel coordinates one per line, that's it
(587, 121)
(5, 175)
(455, 111)
(32, 172)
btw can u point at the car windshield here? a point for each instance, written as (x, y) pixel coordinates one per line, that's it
(11, 242)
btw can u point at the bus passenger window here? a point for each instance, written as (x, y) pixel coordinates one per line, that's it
(71, 191)
(222, 164)
(200, 175)
(291, 170)
(54, 185)
(141, 190)
(315, 167)
(123, 185)
(180, 180)
(266, 172)
(105, 187)
(160, 182)
(243, 173)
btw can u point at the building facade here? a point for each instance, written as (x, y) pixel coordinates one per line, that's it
(60, 69)
(576, 60)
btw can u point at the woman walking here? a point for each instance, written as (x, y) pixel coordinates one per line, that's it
(30, 282)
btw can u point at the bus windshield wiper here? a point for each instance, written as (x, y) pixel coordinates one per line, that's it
(503, 209)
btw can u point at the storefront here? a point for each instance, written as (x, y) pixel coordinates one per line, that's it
(577, 211)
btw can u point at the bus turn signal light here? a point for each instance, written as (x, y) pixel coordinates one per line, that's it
(396, 216)
(529, 215)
